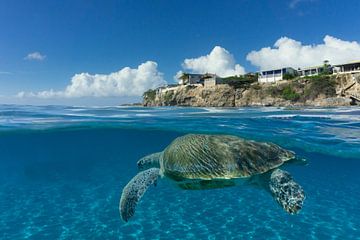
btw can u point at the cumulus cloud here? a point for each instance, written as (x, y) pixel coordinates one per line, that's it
(292, 53)
(125, 82)
(35, 56)
(218, 61)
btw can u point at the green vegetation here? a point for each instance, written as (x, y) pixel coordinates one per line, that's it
(299, 89)
(240, 81)
(288, 93)
(184, 76)
(288, 76)
(326, 68)
(320, 85)
(150, 95)
(168, 96)
(274, 91)
(307, 88)
(256, 86)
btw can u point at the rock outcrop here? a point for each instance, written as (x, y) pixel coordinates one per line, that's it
(317, 91)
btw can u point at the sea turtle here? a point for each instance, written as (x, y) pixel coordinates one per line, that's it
(201, 161)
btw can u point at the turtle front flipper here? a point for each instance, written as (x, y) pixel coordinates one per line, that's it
(286, 191)
(149, 161)
(134, 190)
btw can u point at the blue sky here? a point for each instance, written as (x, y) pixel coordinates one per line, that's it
(102, 37)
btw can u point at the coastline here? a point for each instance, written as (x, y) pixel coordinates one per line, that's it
(322, 91)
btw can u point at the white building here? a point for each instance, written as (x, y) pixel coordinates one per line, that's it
(275, 75)
(351, 67)
(313, 71)
(278, 74)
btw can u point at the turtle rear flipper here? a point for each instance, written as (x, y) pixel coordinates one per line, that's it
(286, 191)
(149, 161)
(134, 190)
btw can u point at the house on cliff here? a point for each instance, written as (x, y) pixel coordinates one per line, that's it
(351, 67)
(278, 74)
(189, 78)
(207, 79)
(314, 71)
(275, 75)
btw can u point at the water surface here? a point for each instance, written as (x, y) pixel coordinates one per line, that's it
(62, 170)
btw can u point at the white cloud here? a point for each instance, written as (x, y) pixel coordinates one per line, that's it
(288, 52)
(218, 61)
(125, 82)
(35, 56)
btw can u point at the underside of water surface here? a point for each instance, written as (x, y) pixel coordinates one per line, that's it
(62, 170)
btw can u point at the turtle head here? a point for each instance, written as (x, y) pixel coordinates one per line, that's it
(143, 164)
(149, 161)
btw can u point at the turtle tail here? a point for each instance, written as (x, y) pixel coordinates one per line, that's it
(134, 190)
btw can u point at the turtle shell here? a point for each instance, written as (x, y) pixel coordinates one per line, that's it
(200, 156)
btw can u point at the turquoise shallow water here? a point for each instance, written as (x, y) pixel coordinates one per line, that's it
(62, 170)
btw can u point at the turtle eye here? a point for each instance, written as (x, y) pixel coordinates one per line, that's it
(141, 164)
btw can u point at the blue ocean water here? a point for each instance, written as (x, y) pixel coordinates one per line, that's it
(62, 170)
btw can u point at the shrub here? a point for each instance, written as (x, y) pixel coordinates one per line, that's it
(289, 94)
(150, 95)
(240, 81)
(256, 86)
(288, 76)
(274, 91)
(168, 96)
(320, 85)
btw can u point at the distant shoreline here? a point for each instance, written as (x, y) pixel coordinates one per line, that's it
(136, 104)
(319, 91)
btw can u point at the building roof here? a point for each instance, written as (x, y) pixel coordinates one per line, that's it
(349, 63)
(275, 69)
(208, 75)
(313, 67)
(203, 76)
(186, 75)
(194, 74)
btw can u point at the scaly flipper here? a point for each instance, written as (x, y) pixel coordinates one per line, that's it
(134, 190)
(286, 191)
(149, 161)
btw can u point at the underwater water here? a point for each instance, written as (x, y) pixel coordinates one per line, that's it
(62, 170)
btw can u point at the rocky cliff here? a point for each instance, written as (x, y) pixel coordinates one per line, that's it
(313, 91)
